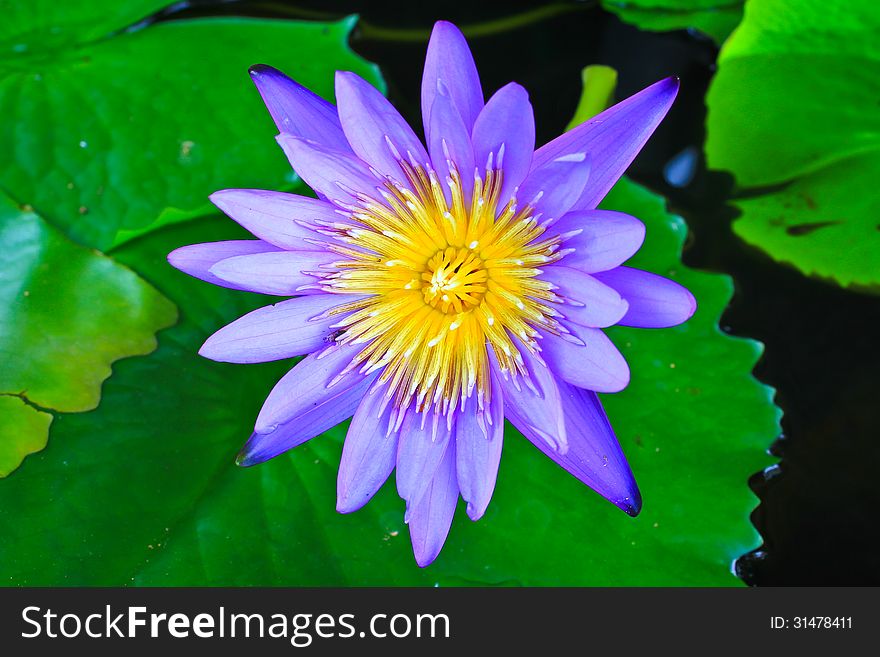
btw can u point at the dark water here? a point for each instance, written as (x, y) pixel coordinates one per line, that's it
(818, 508)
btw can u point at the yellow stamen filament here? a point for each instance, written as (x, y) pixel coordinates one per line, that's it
(446, 280)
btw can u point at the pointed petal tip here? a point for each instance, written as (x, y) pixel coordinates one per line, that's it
(182, 258)
(250, 454)
(265, 446)
(225, 199)
(425, 559)
(173, 258)
(220, 200)
(345, 505)
(632, 504)
(640, 229)
(628, 497)
(348, 501)
(260, 70)
(342, 78)
(204, 350)
(350, 82)
(210, 351)
(670, 85)
(692, 304)
(619, 384)
(517, 88)
(446, 28)
(218, 197)
(244, 459)
(266, 77)
(474, 513)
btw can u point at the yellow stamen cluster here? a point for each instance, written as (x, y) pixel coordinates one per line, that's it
(446, 280)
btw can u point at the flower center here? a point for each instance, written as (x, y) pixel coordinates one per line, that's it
(454, 280)
(448, 283)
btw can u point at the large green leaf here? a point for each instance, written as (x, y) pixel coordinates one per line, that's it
(23, 430)
(113, 136)
(113, 128)
(717, 18)
(150, 480)
(66, 313)
(41, 26)
(794, 105)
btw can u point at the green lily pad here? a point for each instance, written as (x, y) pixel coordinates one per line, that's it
(46, 25)
(157, 459)
(66, 314)
(715, 18)
(793, 115)
(116, 132)
(25, 430)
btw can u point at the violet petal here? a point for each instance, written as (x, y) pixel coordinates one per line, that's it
(420, 451)
(612, 138)
(601, 239)
(507, 120)
(450, 136)
(654, 301)
(297, 110)
(370, 121)
(276, 217)
(589, 302)
(594, 455)
(449, 59)
(280, 273)
(430, 519)
(284, 330)
(309, 411)
(305, 393)
(368, 455)
(197, 259)
(535, 407)
(336, 175)
(595, 365)
(478, 450)
(559, 183)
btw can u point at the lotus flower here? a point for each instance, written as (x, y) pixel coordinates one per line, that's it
(442, 287)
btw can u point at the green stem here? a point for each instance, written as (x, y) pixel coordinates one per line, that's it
(372, 32)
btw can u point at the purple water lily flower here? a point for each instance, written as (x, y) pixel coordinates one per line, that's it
(440, 290)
